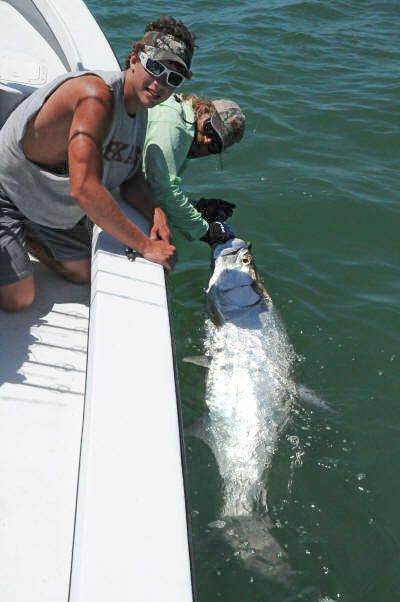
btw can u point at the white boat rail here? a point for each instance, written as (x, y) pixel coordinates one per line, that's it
(132, 521)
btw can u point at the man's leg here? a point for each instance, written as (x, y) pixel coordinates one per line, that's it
(20, 295)
(17, 296)
(75, 271)
(66, 252)
(17, 289)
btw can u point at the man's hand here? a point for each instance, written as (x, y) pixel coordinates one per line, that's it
(160, 229)
(161, 252)
(217, 233)
(214, 210)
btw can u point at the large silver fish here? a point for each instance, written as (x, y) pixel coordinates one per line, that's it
(248, 395)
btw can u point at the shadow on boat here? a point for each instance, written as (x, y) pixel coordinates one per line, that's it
(19, 331)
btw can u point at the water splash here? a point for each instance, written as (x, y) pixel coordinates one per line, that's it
(248, 396)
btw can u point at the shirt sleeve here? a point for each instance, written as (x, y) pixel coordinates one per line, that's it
(165, 152)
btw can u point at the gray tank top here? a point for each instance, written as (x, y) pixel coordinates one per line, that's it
(43, 196)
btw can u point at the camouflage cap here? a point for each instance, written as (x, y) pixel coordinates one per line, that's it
(165, 47)
(228, 121)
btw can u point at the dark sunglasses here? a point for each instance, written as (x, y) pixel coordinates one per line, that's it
(157, 69)
(215, 146)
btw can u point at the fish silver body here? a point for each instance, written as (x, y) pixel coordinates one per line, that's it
(248, 395)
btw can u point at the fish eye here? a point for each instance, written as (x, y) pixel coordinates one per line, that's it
(246, 260)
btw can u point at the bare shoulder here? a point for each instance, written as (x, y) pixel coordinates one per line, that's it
(86, 88)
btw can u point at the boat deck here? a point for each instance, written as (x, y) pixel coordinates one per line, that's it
(42, 388)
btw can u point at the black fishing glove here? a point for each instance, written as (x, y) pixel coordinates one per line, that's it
(218, 232)
(214, 210)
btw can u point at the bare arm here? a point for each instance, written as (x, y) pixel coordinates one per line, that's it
(91, 113)
(136, 192)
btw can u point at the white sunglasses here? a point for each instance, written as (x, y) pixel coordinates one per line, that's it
(157, 69)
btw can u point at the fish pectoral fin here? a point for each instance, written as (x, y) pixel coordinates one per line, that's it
(198, 360)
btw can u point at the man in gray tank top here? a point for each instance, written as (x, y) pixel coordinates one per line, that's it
(66, 146)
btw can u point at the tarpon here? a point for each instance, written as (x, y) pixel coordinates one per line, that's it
(248, 395)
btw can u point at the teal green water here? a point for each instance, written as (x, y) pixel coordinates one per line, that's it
(315, 181)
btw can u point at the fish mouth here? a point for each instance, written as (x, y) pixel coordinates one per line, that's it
(230, 247)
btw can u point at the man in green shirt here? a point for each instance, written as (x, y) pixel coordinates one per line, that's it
(179, 129)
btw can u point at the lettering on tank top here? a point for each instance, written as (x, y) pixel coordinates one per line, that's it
(122, 152)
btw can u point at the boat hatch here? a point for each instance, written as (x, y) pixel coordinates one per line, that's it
(23, 72)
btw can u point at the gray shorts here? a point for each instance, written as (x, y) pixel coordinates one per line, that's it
(73, 244)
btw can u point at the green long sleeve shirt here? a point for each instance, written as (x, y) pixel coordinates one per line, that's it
(169, 136)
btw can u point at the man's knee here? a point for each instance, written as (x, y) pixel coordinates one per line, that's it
(78, 277)
(16, 297)
(77, 271)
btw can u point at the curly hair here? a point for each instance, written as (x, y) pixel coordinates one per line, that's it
(164, 25)
(200, 104)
